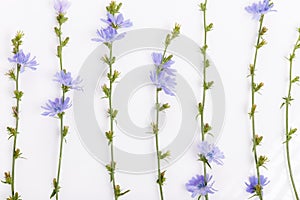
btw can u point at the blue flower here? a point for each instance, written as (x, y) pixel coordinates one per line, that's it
(260, 8)
(117, 21)
(108, 35)
(163, 81)
(165, 66)
(61, 6)
(253, 182)
(211, 152)
(66, 79)
(58, 106)
(197, 186)
(23, 60)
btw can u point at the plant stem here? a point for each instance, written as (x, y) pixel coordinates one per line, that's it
(253, 103)
(287, 121)
(204, 52)
(61, 121)
(157, 147)
(112, 126)
(15, 136)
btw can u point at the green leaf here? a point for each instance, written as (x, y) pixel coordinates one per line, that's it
(208, 85)
(251, 113)
(296, 79)
(65, 42)
(165, 155)
(207, 128)
(262, 161)
(11, 74)
(202, 6)
(161, 179)
(57, 31)
(257, 87)
(106, 91)
(155, 128)
(209, 27)
(109, 135)
(164, 107)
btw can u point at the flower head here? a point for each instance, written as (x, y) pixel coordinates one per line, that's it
(61, 6)
(253, 183)
(163, 65)
(107, 35)
(211, 152)
(163, 81)
(198, 186)
(56, 107)
(23, 60)
(65, 78)
(117, 21)
(260, 8)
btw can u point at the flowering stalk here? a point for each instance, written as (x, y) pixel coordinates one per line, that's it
(205, 127)
(107, 36)
(258, 10)
(202, 185)
(57, 107)
(287, 102)
(163, 77)
(22, 61)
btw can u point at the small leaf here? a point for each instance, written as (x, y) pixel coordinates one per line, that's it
(262, 161)
(202, 6)
(65, 42)
(208, 85)
(296, 79)
(57, 31)
(209, 27)
(165, 155)
(251, 113)
(106, 91)
(164, 107)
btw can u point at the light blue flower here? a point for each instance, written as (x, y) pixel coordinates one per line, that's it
(58, 106)
(253, 182)
(61, 6)
(162, 65)
(260, 8)
(66, 79)
(198, 186)
(163, 81)
(23, 60)
(117, 21)
(211, 152)
(108, 35)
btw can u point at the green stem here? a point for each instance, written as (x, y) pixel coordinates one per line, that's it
(204, 88)
(15, 136)
(157, 147)
(287, 123)
(61, 46)
(112, 126)
(60, 154)
(61, 121)
(253, 103)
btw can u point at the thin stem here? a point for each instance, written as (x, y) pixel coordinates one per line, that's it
(253, 103)
(112, 126)
(15, 136)
(61, 46)
(287, 121)
(62, 136)
(204, 87)
(157, 147)
(60, 153)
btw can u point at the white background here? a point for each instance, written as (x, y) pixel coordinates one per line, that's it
(230, 47)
